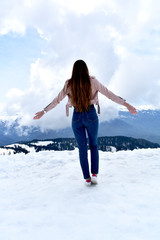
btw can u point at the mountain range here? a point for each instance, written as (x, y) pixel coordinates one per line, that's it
(144, 125)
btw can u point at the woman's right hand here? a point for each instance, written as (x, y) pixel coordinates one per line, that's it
(38, 115)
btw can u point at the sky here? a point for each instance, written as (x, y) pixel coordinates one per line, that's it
(41, 39)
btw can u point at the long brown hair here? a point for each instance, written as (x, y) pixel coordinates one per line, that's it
(80, 86)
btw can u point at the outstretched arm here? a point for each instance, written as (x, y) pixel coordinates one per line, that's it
(54, 103)
(102, 89)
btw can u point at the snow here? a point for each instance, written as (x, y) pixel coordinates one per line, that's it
(4, 151)
(42, 143)
(43, 196)
(24, 146)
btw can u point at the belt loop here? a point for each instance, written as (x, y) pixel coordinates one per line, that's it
(99, 111)
(67, 110)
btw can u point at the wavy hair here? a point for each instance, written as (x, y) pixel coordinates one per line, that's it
(80, 86)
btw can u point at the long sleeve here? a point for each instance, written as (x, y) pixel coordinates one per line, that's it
(102, 89)
(61, 95)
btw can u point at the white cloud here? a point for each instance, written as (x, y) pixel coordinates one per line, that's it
(119, 40)
(14, 92)
(82, 6)
(137, 80)
(12, 25)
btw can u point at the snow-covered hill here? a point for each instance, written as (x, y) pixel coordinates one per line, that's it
(43, 196)
(109, 144)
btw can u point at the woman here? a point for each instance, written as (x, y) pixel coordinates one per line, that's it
(82, 91)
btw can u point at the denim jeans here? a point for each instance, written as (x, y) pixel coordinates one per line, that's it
(82, 123)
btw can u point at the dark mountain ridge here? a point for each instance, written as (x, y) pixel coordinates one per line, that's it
(109, 144)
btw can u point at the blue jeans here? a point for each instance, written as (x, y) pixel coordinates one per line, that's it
(83, 122)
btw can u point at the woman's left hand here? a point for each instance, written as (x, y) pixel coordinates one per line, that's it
(130, 108)
(38, 115)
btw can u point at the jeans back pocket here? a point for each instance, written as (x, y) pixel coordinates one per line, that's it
(76, 116)
(92, 115)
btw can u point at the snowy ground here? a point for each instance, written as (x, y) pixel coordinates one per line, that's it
(43, 197)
